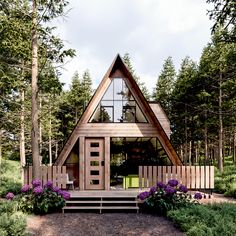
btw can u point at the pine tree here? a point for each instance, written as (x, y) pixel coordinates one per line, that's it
(143, 88)
(164, 86)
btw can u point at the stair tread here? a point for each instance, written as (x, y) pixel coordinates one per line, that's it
(100, 207)
(71, 202)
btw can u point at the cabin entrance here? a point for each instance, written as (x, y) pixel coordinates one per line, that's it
(94, 164)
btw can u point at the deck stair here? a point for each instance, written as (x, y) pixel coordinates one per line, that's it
(101, 204)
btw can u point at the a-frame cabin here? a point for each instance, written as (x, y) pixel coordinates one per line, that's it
(118, 131)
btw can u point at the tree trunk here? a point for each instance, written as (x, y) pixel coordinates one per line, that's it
(206, 154)
(220, 154)
(34, 87)
(50, 137)
(56, 151)
(40, 133)
(234, 148)
(22, 130)
(1, 132)
(190, 153)
(186, 139)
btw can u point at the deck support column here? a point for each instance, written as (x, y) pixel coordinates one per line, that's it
(107, 163)
(81, 163)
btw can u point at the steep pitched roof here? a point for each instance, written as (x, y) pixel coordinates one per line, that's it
(114, 70)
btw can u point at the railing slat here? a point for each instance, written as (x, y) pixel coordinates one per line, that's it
(159, 174)
(140, 174)
(207, 179)
(145, 177)
(197, 177)
(202, 178)
(154, 174)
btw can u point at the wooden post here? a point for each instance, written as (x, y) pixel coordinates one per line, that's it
(107, 163)
(81, 163)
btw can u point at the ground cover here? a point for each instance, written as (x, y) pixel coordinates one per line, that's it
(211, 219)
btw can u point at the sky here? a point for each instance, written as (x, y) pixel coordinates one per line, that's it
(149, 30)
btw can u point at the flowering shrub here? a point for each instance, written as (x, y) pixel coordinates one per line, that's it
(40, 199)
(10, 196)
(197, 196)
(164, 197)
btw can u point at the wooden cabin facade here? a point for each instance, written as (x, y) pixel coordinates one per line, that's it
(118, 131)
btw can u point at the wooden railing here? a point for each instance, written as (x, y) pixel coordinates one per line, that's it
(193, 177)
(56, 174)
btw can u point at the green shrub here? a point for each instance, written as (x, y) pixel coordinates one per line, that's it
(41, 199)
(12, 222)
(225, 182)
(10, 178)
(162, 198)
(216, 219)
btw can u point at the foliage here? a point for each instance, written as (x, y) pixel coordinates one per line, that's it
(162, 198)
(143, 88)
(164, 86)
(197, 220)
(41, 199)
(10, 177)
(12, 222)
(225, 182)
(223, 15)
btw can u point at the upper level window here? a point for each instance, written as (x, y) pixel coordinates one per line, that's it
(118, 105)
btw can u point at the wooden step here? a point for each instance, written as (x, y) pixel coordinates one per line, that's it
(100, 208)
(88, 202)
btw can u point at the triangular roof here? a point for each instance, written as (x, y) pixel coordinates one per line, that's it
(117, 67)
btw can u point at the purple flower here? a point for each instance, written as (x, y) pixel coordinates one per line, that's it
(197, 196)
(66, 195)
(161, 185)
(49, 184)
(38, 190)
(170, 190)
(36, 183)
(143, 195)
(10, 196)
(183, 188)
(25, 188)
(173, 182)
(153, 190)
(56, 189)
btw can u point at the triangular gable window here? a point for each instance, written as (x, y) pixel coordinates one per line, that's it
(118, 105)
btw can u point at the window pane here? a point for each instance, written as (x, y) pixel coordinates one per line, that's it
(94, 172)
(118, 90)
(94, 182)
(129, 114)
(94, 163)
(94, 144)
(118, 111)
(127, 95)
(107, 103)
(94, 154)
(106, 114)
(139, 115)
(109, 93)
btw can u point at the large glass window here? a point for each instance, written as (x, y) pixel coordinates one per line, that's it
(118, 105)
(127, 154)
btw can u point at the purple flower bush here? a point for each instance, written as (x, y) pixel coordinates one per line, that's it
(197, 196)
(40, 199)
(10, 196)
(164, 197)
(25, 188)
